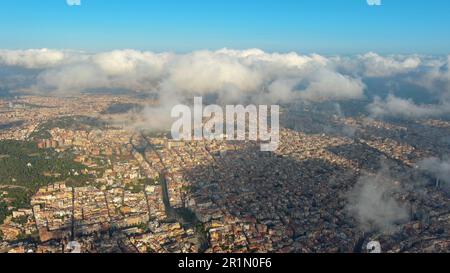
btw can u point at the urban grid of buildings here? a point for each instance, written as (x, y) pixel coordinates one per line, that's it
(147, 193)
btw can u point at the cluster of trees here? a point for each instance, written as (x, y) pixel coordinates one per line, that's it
(139, 185)
(23, 164)
(19, 197)
(24, 168)
(76, 182)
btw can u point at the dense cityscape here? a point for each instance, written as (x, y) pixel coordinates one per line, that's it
(224, 135)
(110, 189)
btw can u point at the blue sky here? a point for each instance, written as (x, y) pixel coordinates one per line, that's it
(322, 26)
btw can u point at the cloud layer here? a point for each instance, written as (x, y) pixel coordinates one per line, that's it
(406, 108)
(440, 169)
(231, 75)
(236, 76)
(373, 205)
(32, 58)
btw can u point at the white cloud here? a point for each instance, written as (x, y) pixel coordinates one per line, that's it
(439, 168)
(230, 75)
(372, 65)
(374, 2)
(371, 201)
(435, 77)
(73, 2)
(237, 76)
(398, 107)
(378, 66)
